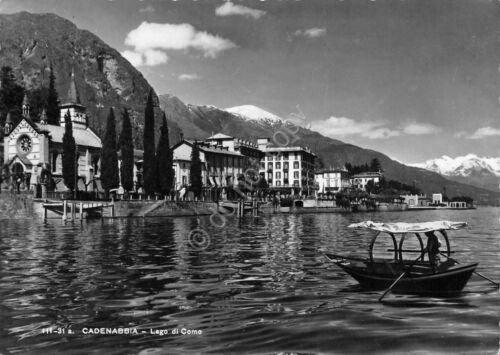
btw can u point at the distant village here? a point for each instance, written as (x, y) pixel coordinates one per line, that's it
(219, 167)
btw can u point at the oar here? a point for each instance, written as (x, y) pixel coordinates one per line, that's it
(392, 285)
(399, 278)
(475, 272)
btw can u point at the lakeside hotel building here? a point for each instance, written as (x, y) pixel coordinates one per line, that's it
(332, 180)
(287, 168)
(224, 159)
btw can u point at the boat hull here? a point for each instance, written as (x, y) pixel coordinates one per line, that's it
(446, 280)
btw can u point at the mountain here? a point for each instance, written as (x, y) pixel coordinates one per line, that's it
(29, 43)
(251, 112)
(470, 169)
(198, 122)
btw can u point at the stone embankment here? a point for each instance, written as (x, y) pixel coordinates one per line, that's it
(162, 208)
(16, 206)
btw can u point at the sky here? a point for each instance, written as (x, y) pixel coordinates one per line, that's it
(414, 79)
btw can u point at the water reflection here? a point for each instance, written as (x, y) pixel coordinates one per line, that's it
(262, 285)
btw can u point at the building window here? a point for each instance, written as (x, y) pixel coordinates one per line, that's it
(285, 165)
(296, 156)
(184, 180)
(278, 165)
(270, 176)
(295, 182)
(285, 155)
(262, 165)
(54, 162)
(295, 164)
(285, 175)
(278, 183)
(295, 174)
(278, 175)
(270, 166)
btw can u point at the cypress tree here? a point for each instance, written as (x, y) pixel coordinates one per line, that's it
(69, 153)
(375, 165)
(149, 160)
(52, 109)
(164, 157)
(195, 171)
(11, 94)
(127, 152)
(109, 157)
(38, 100)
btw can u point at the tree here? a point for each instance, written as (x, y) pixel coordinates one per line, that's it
(164, 159)
(371, 187)
(375, 165)
(319, 163)
(195, 171)
(262, 183)
(11, 94)
(127, 152)
(149, 165)
(38, 100)
(52, 106)
(109, 157)
(69, 153)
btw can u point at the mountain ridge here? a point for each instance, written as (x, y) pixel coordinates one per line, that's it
(252, 112)
(470, 169)
(461, 165)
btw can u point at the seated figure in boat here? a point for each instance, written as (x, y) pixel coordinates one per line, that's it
(433, 245)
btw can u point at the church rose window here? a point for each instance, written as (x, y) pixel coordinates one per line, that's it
(24, 145)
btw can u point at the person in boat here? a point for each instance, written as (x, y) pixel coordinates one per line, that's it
(433, 245)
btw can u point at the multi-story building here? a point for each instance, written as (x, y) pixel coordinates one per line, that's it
(332, 180)
(220, 166)
(288, 169)
(247, 148)
(359, 181)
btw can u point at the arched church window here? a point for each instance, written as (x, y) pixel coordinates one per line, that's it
(95, 164)
(54, 161)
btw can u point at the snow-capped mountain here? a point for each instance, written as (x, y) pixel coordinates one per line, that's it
(470, 169)
(254, 113)
(462, 166)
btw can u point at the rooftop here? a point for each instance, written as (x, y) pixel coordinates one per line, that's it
(205, 147)
(287, 149)
(72, 97)
(368, 174)
(83, 137)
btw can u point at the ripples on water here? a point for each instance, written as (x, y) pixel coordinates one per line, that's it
(261, 286)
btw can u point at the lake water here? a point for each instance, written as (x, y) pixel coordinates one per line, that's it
(259, 286)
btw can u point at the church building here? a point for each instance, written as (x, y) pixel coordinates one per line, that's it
(33, 150)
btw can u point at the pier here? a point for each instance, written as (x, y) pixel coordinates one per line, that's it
(74, 209)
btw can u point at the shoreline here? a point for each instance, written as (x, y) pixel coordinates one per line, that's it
(19, 206)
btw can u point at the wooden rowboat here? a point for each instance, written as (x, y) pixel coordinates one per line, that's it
(430, 271)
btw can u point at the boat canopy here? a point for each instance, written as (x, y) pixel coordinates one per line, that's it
(409, 227)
